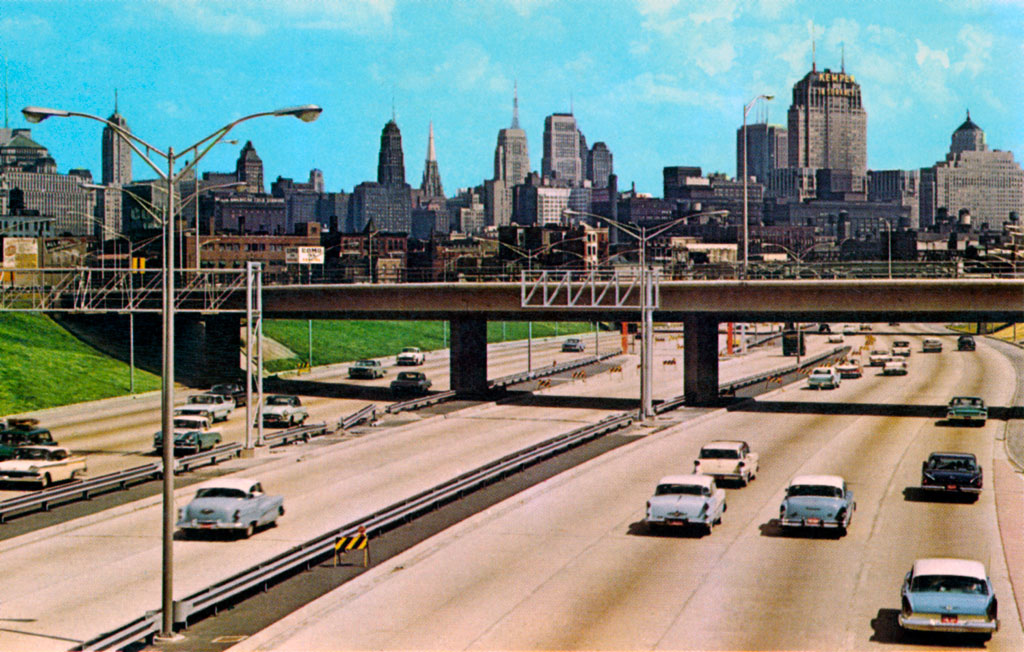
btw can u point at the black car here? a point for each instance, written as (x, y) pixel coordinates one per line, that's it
(965, 343)
(231, 390)
(955, 472)
(410, 382)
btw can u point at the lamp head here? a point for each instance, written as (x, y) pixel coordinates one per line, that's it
(35, 114)
(768, 97)
(306, 112)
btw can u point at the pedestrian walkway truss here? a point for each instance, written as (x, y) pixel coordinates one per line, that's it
(85, 290)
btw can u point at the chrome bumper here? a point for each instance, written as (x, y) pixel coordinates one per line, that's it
(933, 623)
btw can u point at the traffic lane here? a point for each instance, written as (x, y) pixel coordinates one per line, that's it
(560, 566)
(111, 563)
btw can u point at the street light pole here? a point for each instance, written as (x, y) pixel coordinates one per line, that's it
(746, 219)
(34, 114)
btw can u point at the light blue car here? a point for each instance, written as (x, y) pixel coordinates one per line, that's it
(948, 595)
(686, 501)
(234, 504)
(817, 501)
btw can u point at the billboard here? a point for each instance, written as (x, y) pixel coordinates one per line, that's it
(304, 255)
(21, 252)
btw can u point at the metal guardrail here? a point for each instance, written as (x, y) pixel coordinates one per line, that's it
(368, 413)
(731, 387)
(84, 489)
(143, 628)
(417, 403)
(523, 376)
(298, 433)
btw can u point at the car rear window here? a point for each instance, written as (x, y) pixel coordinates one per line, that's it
(949, 584)
(719, 454)
(680, 489)
(220, 492)
(826, 491)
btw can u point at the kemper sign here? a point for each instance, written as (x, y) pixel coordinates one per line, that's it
(304, 255)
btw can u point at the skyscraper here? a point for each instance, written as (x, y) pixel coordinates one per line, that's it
(767, 150)
(827, 123)
(249, 169)
(431, 185)
(390, 164)
(988, 183)
(117, 155)
(562, 160)
(599, 164)
(512, 155)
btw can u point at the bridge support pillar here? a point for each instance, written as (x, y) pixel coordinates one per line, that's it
(468, 360)
(209, 348)
(700, 361)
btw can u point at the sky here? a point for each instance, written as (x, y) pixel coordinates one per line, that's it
(661, 82)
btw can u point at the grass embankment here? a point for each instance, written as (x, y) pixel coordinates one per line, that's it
(42, 365)
(343, 341)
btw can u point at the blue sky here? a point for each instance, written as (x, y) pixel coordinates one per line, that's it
(662, 82)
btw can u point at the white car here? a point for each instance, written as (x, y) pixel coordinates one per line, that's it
(850, 369)
(284, 410)
(216, 407)
(836, 338)
(931, 345)
(901, 348)
(410, 356)
(684, 501)
(849, 329)
(823, 378)
(878, 358)
(897, 367)
(727, 460)
(42, 465)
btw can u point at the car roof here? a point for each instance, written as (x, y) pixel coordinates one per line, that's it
(950, 566)
(688, 478)
(725, 443)
(45, 448)
(243, 484)
(823, 480)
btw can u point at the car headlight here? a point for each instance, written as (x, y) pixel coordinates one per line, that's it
(906, 608)
(236, 515)
(33, 469)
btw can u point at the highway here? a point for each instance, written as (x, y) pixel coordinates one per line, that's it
(568, 564)
(108, 561)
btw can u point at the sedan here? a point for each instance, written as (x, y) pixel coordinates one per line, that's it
(367, 369)
(969, 409)
(823, 378)
(574, 345)
(684, 501)
(817, 501)
(233, 504)
(895, 367)
(836, 338)
(931, 345)
(410, 382)
(948, 595)
(954, 472)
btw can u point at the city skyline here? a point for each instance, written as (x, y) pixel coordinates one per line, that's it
(668, 90)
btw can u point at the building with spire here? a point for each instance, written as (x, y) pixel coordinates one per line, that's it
(388, 202)
(988, 184)
(431, 184)
(511, 167)
(249, 169)
(390, 162)
(117, 155)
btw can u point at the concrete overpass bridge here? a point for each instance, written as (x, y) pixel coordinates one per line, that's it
(700, 305)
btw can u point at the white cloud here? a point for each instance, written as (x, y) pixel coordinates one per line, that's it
(715, 58)
(657, 7)
(525, 8)
(978, 50)
(925, 56)
(772, 8)
(254, 18)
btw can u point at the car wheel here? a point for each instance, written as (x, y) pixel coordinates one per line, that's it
(249, 531)
(44, 481)
(744, 480)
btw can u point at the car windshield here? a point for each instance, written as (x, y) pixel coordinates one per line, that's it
(951, 463)
(408, 375)
(949, 584)
(220, 492)
(901, 343)
(279, 400)
(30, 454)
(719, 454)
(222, 389)
(186, 423)
(824, 490)
(682, 489)
(410, 349)
(203, 399)
(879, 352)
(366, 363)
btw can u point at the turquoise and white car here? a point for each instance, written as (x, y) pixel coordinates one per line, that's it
(968, 409)
(948, 595)
(817, 502)
(689, 500)
(234, 504)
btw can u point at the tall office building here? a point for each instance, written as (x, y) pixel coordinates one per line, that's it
(561, 160)
(431, 185)
(599, 165)
(249, 169)
(117, 155)
(767, 150)
(827, 123)
(390, 163)
(512, 155)
(988, 183)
